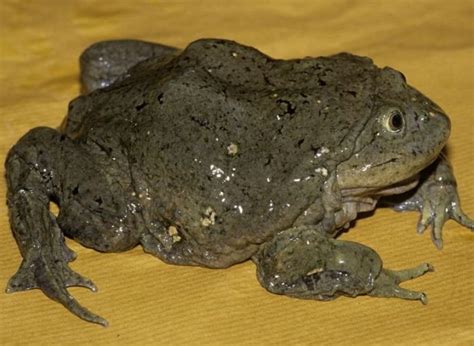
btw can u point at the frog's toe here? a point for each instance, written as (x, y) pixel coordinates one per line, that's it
(400, 292)
(387, 283)
(53, 277)
(412, 273)
(461, 218)
(75, 279)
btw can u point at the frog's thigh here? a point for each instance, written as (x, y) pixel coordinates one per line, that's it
(304, 263)
(102, 232)
(95, 210)
(103, 62)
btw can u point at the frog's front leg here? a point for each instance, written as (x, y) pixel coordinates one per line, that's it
(303, 262)
(33, 168)
(436, 197)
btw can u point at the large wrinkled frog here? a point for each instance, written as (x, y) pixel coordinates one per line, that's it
(216, 154)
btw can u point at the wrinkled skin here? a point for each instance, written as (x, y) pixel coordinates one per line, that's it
(218, 154)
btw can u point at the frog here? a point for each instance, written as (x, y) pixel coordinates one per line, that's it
(216, 154)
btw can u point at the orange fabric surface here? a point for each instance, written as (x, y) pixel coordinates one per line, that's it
(147, 301)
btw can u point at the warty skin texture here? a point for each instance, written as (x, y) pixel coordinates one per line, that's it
(216, 154)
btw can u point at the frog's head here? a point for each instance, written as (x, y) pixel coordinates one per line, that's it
(404, 134)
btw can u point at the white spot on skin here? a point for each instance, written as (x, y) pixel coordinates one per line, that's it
(268, 179)
(270, 206)
(172, 230)
(144, 195)
(314, 271)
(323, 171)
(209, 217)
(239, 208)
(132, 207)
(297, 180)
(321, 151)
(431, 114)
(234, 54)
(221, 194)
(216, 171)
(173, 233)
(232, 149)
(119, 230)
(366, 167)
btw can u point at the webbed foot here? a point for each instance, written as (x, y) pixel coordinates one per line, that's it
(53, 276)
(24, 279)
(45, 259)
(437, 200)
(387, 283)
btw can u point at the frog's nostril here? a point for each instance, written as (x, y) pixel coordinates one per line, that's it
(444, 121)
(439, 118)
(441, 125)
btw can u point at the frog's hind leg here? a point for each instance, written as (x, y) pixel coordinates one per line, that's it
(304, 263)
(31, 166)
(104, 62)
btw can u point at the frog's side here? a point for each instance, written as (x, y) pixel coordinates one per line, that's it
(218, 154)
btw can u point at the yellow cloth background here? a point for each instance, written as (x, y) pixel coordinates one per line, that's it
(148, 301)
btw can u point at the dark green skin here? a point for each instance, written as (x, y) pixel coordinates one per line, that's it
(217, 154)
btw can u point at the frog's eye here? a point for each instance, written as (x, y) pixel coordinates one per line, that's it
(394, 121)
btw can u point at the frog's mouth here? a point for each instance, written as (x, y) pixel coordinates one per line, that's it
(394, 189)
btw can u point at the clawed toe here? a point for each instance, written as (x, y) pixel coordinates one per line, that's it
(423, 298)
(75, 279)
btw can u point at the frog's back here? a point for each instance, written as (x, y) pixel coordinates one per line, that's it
(231, 144)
